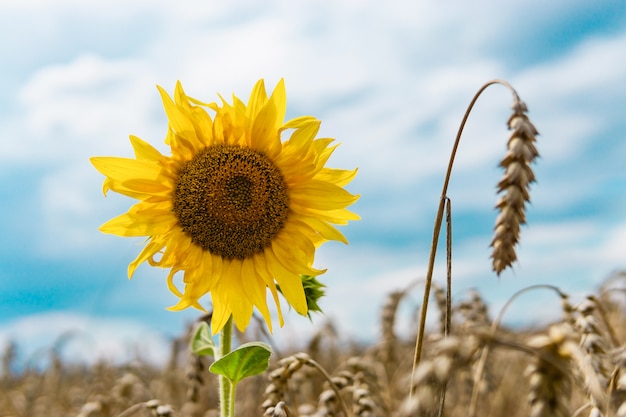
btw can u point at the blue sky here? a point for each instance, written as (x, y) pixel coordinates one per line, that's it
(390, 82)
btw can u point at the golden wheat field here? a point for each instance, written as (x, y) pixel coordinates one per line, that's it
(573, 367)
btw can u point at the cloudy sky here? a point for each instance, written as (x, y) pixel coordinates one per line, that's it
(390, 80)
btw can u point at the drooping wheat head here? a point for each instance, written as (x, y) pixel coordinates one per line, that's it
(550, 372)
(618, 383)
(279, 378)
(450, 354)
(279, 410)
(367, 391)
(568, 310)
(387, 351)
(593, 361)
(440, 299)
(329, 400)
(474, 312)
(194, 374)
(515, 185)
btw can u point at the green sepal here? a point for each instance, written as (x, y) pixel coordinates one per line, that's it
(247, 360)
(313, 291)
(202, 343)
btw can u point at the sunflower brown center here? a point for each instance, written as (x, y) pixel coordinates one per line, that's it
(232, 201)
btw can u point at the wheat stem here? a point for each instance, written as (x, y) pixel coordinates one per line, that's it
(448, 322)
(439, 219)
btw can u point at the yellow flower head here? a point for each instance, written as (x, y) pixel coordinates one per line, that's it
(235, 208)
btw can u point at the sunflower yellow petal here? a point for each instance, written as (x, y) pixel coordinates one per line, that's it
(203, 125)
(279, 98)
(176, 118)
(323, 152)
(197, 279)
(122, 169)
(148, 223)
(268, 120)
(182, 135)
(176, 251)
(260, 265)
(221, 309)
(338, 177)
(321, 195)
(264, 134)
(153, 246)
(139, 194)
(201, 121)
(274, 291)
(302, 138)
(239, 303)
(299, 123)
(327, 231)
(185, 303)
(339, 216)
(254, 287)
(170, 283)
(290, 283)
(258, 99)
(193, 279)
(144, 151)
(152, 187)
(295, 253)
(297, 153)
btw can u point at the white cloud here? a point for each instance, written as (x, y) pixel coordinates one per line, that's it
(612, 251)
(574, 98)
(87, 105)
(71, 205)
(591, 68)
(84, 339)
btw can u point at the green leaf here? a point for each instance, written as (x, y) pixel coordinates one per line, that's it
(247, 360)
(202, 343)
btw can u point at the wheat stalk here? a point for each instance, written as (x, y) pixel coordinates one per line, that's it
(517, 177)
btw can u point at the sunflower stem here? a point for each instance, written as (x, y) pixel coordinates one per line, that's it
(227, 390)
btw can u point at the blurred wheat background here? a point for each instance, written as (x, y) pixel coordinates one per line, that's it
(575, 366)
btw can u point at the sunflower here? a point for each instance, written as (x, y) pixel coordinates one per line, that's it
(234, 208)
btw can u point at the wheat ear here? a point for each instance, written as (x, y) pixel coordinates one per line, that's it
(515, 185)
(279, 379)
(593, 360)
(431, 377)
(550, 374)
